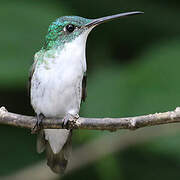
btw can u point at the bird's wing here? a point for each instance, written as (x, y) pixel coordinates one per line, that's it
(84, 89)
(37, 56)
(31, 72)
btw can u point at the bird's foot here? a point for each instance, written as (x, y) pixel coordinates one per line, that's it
(69, 121)
(37, 126)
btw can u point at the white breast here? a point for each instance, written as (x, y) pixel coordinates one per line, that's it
(57, 82)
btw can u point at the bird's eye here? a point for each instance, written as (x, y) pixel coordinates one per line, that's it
(70, 28)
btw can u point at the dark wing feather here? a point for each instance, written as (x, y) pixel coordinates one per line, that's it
(31, 72)
(84, 89)
(38, 56)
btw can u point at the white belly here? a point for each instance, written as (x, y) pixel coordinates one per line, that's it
(57, 91)
(56, 84)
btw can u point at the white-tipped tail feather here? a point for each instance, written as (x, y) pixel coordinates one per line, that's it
(57, 143)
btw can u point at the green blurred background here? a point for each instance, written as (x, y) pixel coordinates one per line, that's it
(133, 69)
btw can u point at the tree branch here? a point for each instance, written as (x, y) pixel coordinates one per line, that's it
(111, 124)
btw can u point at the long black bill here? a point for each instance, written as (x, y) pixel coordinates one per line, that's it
(108, 18)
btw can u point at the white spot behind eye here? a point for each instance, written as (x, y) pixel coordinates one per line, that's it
(64, 29)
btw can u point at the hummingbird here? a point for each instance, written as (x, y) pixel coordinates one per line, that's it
(57, 82)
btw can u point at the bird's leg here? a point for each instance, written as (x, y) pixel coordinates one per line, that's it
(68, 120)
(37, 126)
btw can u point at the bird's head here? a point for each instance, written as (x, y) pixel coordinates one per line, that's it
(67, 28)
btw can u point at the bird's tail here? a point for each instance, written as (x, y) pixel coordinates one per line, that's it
(57, 143)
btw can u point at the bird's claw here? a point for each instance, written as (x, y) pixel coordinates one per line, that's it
(69, 120)
(37, 126)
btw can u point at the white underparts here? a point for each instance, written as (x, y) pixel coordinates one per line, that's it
(57, 84)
